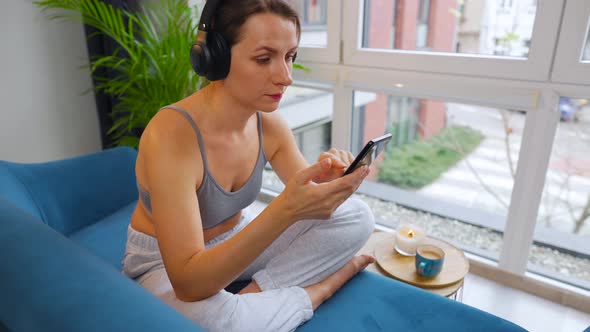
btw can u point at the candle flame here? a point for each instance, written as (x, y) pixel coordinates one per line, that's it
(410, 233)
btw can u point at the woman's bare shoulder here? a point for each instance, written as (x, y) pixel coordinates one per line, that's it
(168, 132)
(168, 141)
(274, 125)
(276, 131)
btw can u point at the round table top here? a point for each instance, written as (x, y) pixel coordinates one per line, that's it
(403, 268)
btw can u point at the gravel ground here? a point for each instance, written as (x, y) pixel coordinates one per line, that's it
(469, 236)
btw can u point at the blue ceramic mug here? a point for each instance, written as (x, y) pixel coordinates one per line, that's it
(429, 260)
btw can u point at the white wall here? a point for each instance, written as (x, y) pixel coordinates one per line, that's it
(43, 115)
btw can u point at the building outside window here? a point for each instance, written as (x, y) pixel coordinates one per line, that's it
(423, 24)
(313, 12)
(313, 15)
(394, 22)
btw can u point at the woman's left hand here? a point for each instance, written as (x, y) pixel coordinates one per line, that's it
(340, 161)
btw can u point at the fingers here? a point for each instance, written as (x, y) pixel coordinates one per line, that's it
(348, 184)
(341, 158)
(350, 157)
(314, 170)
(355, 179)
(337, 161)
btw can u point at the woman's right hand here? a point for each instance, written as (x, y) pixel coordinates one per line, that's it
(304, 199)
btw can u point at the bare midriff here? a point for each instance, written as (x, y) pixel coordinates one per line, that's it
(142, 221)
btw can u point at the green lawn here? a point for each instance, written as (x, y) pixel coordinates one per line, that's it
(417, 164)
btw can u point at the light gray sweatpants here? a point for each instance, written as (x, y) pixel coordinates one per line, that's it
(306, 253)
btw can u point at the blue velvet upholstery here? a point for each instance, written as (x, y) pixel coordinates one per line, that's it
(107, 238)
(73, 193)
(48, 283)
(371, 302)
(12, 188)
(63, 229)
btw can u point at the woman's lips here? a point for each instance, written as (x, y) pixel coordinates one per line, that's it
(276, 96)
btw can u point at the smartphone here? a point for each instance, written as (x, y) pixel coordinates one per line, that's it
(369, 153)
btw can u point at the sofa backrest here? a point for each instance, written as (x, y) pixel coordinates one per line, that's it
(13, 190)
(73, 193)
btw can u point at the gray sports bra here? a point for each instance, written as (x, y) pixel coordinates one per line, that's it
(215, 203)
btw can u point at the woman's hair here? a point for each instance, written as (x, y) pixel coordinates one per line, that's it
(232, 14)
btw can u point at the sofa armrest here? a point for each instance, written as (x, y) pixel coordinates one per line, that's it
(73, 193)
(48, 283)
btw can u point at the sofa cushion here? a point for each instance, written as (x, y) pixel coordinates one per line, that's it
(48, 283)
(13, 190)
(73, 193)
(371, 302)
(106, 238)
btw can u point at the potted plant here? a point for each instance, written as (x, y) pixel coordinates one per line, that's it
(151, 62)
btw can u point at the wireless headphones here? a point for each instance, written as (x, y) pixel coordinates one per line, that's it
(210, 53)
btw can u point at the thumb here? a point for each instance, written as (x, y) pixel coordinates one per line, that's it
(314, 170)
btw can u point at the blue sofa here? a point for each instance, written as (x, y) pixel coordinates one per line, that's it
(62, 237)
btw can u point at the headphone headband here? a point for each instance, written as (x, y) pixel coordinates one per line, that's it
(207, 15)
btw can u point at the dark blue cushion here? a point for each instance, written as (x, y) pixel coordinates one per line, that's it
(73, 193)
(371, 302)
(48, 283)
(107, 238)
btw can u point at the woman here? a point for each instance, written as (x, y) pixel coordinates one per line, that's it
(186, 248)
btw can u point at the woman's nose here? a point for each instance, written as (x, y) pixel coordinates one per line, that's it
(282, 74)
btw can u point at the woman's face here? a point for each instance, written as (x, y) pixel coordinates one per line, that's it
(262, 62)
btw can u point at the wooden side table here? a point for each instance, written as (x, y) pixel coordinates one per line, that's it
(448, 283)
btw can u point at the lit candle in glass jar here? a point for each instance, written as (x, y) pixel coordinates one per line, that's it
(407, 239)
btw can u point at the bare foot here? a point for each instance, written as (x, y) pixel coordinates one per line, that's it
(323, 290)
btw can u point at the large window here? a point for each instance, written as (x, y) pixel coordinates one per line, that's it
(487, 104)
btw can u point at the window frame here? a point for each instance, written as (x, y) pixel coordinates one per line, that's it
(330, 53)
(568, 68)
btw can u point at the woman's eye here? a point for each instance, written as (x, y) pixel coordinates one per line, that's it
(263, 60)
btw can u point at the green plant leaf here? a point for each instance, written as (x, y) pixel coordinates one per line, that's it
(301, 67)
